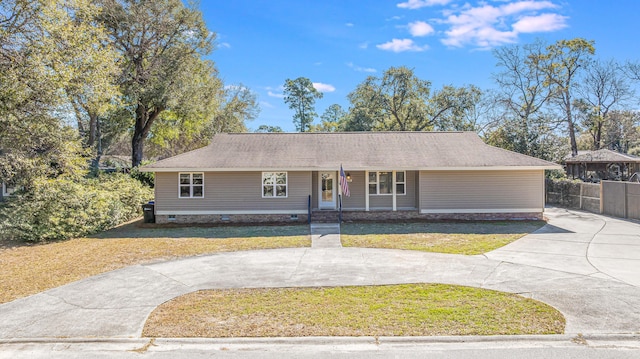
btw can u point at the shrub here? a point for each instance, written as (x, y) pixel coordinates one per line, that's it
(62, 208)
(147, 178)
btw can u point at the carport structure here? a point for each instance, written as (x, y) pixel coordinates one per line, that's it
(603, 164)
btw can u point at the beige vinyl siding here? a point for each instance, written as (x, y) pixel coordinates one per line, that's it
(314, 189)
(502, 191)
(357, 190)
(409, 199)
(232, 191)
(416, 178)
(381, 201)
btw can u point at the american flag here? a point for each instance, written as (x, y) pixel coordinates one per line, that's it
(343, 183)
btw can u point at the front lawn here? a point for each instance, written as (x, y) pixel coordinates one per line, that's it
(392, 310)
(443, 237)
(32, 268)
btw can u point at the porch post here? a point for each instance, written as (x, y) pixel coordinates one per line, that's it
(339, 188)
(393, 188)
(366, 191)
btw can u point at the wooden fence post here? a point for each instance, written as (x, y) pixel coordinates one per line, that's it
(626, 200)
(601, 198)
(580, 196)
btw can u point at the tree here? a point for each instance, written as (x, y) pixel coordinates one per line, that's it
(96, 94)
(538, 141)
(451, 108)
(332, 120)
(632, 69)
(176, 132)
(603, 88)
(523, 94)
(301, 97)
(269, 129)
(562, 63)
(397, 101)
(366, 109)
(483, 115)
(240, 105)
(622, 131)
(45, 47)
(400, 101)
(161, 44)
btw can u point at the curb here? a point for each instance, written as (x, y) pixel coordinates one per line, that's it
(344, 340)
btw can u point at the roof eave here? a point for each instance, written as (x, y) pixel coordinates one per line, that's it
(378, 168)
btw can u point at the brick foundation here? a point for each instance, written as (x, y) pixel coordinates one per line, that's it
(416, 215)
(233, 218)
(348, 216)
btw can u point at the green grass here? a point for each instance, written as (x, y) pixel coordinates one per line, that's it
(393, 310)
(32, 268)
(468, 238)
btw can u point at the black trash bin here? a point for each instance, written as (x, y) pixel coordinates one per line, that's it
(149, 213)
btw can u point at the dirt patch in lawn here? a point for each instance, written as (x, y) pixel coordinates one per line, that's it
(393, 310)
(32, 268)
(468, 238)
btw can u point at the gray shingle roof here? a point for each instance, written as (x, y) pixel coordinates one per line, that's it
(602, 156)
(354, 150)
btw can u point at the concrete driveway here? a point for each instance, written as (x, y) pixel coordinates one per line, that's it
(583, 264)
(581, 243)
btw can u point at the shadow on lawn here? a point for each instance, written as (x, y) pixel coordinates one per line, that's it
(486, 227)
(138, 229)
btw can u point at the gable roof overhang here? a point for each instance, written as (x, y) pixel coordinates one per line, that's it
(601, 156)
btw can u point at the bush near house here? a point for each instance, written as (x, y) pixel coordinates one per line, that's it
(63, 208)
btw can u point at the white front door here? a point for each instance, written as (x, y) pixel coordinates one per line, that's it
(327, 190)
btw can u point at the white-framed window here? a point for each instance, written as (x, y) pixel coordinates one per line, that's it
(401, 184)
(7, 190)
(382, 182)
(274, 185)
(191, 185)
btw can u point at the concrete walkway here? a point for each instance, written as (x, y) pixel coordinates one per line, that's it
(585, 265)
(325, 235)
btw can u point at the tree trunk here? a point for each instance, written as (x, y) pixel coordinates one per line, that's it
(572, 136)
(137, 149)
(598, 138)
(566, 97)
(98, 141)
(144, 120)
(93, 129)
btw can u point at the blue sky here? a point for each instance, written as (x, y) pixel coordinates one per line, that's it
(338, 43)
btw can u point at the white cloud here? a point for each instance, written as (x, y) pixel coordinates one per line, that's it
(420, 28)
(417, 4)
(323, 87)
(361, 69)
(266, 104)
(349, 24)
(540, 23)
(224, 45)
(488, 26)
(275, 94)
(401, 45)
(364, 45)
(527, 5)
